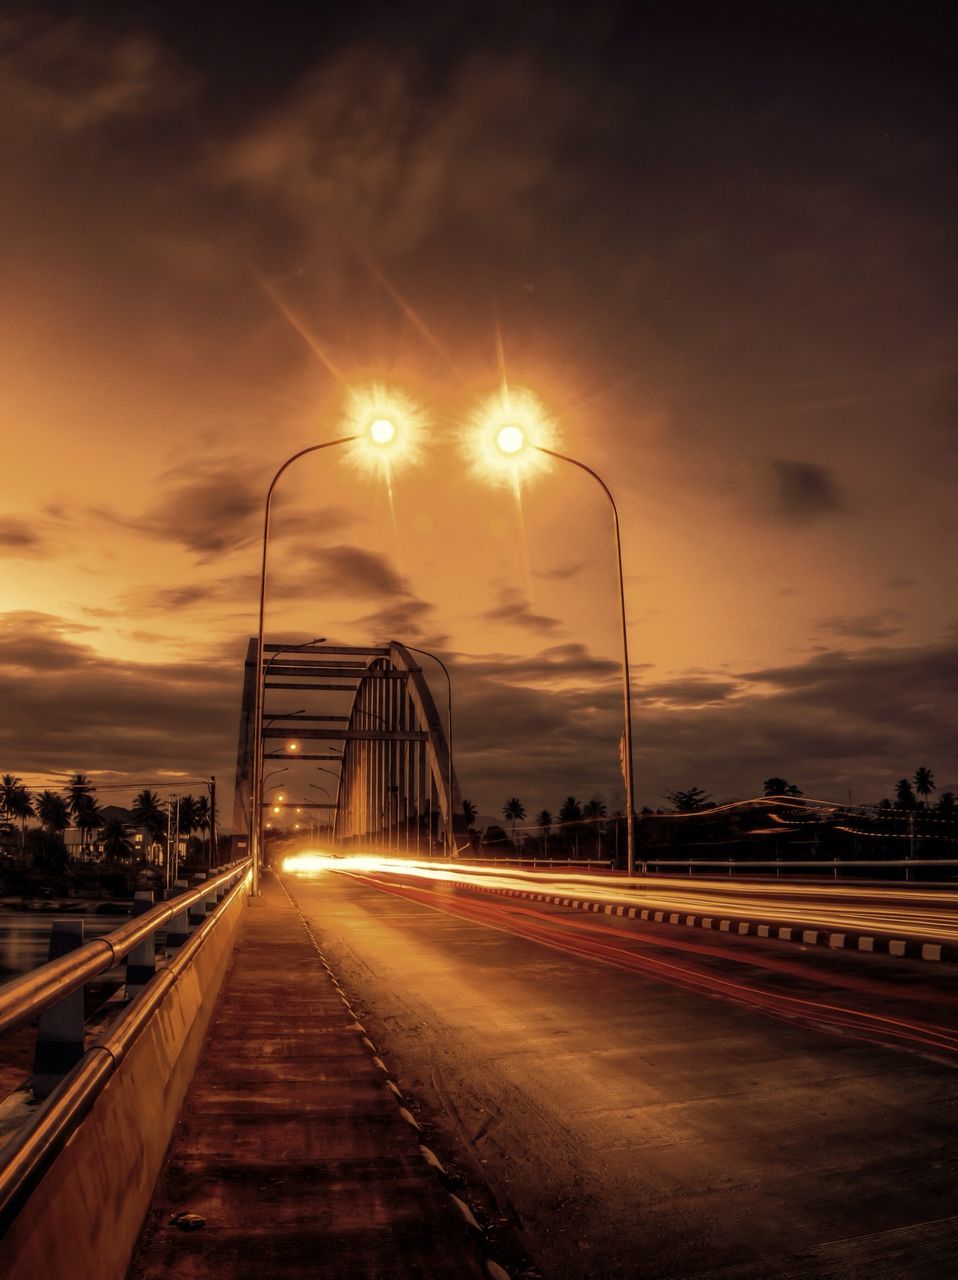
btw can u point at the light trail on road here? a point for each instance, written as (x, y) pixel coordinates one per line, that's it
(929, 915)
(591, 939)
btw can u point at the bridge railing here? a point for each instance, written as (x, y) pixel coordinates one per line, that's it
(54, 993)
(647, 865)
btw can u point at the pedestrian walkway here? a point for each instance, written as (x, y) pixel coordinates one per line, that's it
(290, 1156)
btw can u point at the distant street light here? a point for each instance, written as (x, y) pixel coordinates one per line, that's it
(512, 440)
(371, 415)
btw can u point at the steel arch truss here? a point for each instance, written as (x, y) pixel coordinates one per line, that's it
(397, 784)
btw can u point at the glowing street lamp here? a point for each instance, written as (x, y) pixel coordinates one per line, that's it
(377, 424)
(519, 433)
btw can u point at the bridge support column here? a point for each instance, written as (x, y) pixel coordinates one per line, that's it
(141, 962)
(60, 1029)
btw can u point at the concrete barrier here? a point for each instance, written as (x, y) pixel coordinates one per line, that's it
(85, 1215)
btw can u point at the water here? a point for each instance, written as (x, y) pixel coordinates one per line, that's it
(25, 937)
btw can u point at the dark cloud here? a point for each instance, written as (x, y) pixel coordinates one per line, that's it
(19, 537)
(561, 572)
(353, 571)
(68, 77)
(404, 619)
(694, 691)
(90, 712)
(864, 626)
(221, 510)
(803, 491)
(514, 608)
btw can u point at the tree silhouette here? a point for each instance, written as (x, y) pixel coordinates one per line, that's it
(544, 823)
(79, 790)
(116, 840)
(690, 801)
(88, 818)
(779, 787)
(149, 812)
(947, 803)
(924, 781)
(514, 810)
(203, 823)
(189, 815)
(469, 812)
(53, 812)
(904, 796)
(570, 810)
(15, 801)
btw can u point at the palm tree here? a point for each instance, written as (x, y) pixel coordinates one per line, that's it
(544, 823)
(594, 811)
(924, 784)
(189, 815)
(570, 814)
(904, 796)
(149, 812)
(469, 812)
(203, 821)
(53, 812)
(89, 818)
(116, 840)
(514, 810)
(15, 801)
(571, 810)
(79, 790)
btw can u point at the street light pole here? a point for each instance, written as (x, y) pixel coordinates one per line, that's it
(256, 815)
(626, 681)
(450, 834)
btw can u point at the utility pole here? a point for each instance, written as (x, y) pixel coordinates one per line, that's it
(214, 844)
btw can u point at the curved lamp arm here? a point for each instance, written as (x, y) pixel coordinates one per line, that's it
(256, 832)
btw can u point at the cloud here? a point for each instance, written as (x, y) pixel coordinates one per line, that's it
(92, 712)
(362, 145)
(405, 619)
(561, 572)
(864, 626)
(515, 609)
(694, 691)
(352, 571)
(221, 510)
(72, 79)
(801, 492)
(19, 537)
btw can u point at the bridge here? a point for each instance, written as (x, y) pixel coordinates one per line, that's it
(393, 782)
(393, 1063)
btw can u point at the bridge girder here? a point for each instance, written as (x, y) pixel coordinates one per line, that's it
(396, 786)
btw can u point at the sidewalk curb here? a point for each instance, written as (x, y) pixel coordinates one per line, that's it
(873, 943)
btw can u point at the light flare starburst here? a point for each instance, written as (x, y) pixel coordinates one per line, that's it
(388, 426)
(504, 436)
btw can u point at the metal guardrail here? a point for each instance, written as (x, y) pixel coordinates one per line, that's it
(193, 914)
(779, 864)
(24, 998)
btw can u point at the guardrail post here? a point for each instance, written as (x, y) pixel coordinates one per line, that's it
(198, 909)
(59, 1028)
(141, 962)
(178, 929)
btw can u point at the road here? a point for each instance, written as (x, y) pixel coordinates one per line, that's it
(622, 1099)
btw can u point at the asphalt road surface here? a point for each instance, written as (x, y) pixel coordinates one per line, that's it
(632, 1100)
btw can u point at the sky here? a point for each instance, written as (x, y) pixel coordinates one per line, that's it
(715, 243)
